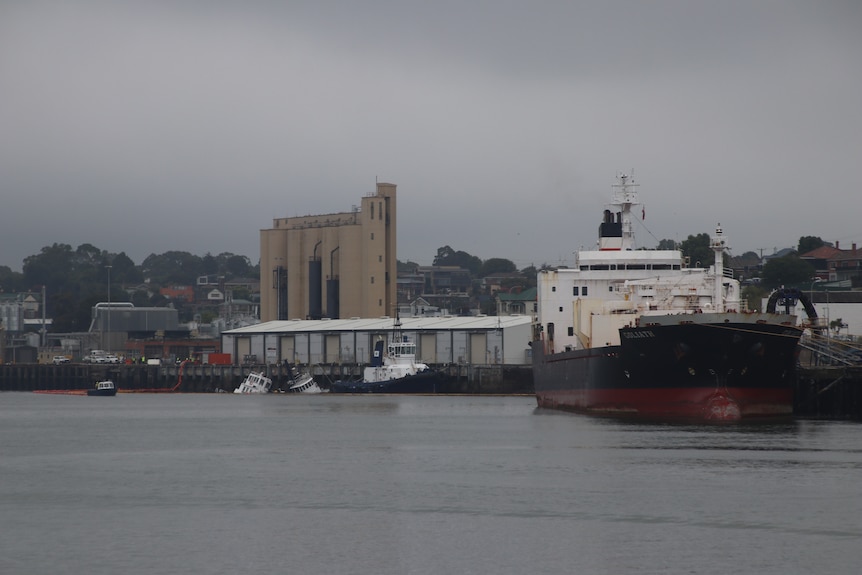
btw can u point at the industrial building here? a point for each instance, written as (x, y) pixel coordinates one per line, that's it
(331, 266)
(478, 340)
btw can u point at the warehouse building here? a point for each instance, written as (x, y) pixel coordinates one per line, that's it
(478, 340)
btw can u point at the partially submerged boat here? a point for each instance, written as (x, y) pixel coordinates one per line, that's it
(302, 382)
(103, 388)
(395, 371)
(638, 332)
(255, 382)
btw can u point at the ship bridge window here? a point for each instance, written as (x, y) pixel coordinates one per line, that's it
(635, 267)
(575, 290)
(661, 266)
(676, 266)
(585, 268)
(600, 267)
(584, 290)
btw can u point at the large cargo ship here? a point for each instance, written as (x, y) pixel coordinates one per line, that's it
(639, 332)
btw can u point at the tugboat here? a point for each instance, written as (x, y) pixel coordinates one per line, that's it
(638, 333)
(396, 371)
(105, 388)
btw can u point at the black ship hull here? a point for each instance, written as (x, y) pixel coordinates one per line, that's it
(102, 392)
(428, 381)
(724, 367)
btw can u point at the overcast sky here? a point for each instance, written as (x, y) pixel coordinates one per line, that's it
(151, 126)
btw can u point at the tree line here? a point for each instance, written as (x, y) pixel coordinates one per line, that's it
(76, 279)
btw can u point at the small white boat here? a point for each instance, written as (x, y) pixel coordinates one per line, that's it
(254, 383)
(304, 383)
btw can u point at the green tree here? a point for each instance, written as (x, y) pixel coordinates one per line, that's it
(697, 249)
(52, 267)
(446, 256)
(753, 296)
(236, 266)
(209, 265)
(407, 267)
(666, 245)
(530, 272)
(173, 267)
(141, 298)
(10, 281)
(809, 243)
(124, 270)
(62, 307)
(749, 259)
(787, 271)
(240, 292)
(497, 266)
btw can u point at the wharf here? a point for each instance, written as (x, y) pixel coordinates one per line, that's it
(833, 392)
(209, 378)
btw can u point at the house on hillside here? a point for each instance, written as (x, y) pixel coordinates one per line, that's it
(847, 266)
(819, 258)
(520, 303)
(494, 283)
(178, 292)
(836, 265)
(445, 279)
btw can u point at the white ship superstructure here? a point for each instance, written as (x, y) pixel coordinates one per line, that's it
(611, 287)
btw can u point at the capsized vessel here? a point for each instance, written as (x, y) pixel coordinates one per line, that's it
(255, 382)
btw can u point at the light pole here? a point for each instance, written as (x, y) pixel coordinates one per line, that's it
(43, 317)
(108, 347)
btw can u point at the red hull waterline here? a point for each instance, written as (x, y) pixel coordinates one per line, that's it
(704, 404)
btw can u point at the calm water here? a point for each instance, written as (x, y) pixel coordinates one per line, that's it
(150, 484)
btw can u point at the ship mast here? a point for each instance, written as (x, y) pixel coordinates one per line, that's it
(718, 244)
(616, 232)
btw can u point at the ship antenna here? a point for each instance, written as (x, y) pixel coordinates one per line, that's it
(626, 196)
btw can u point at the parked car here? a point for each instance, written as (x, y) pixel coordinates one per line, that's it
(58, 359)
(100, 356)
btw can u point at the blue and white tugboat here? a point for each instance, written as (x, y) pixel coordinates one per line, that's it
(396, 371)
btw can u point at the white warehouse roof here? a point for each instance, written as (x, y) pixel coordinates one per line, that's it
(466, 323)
